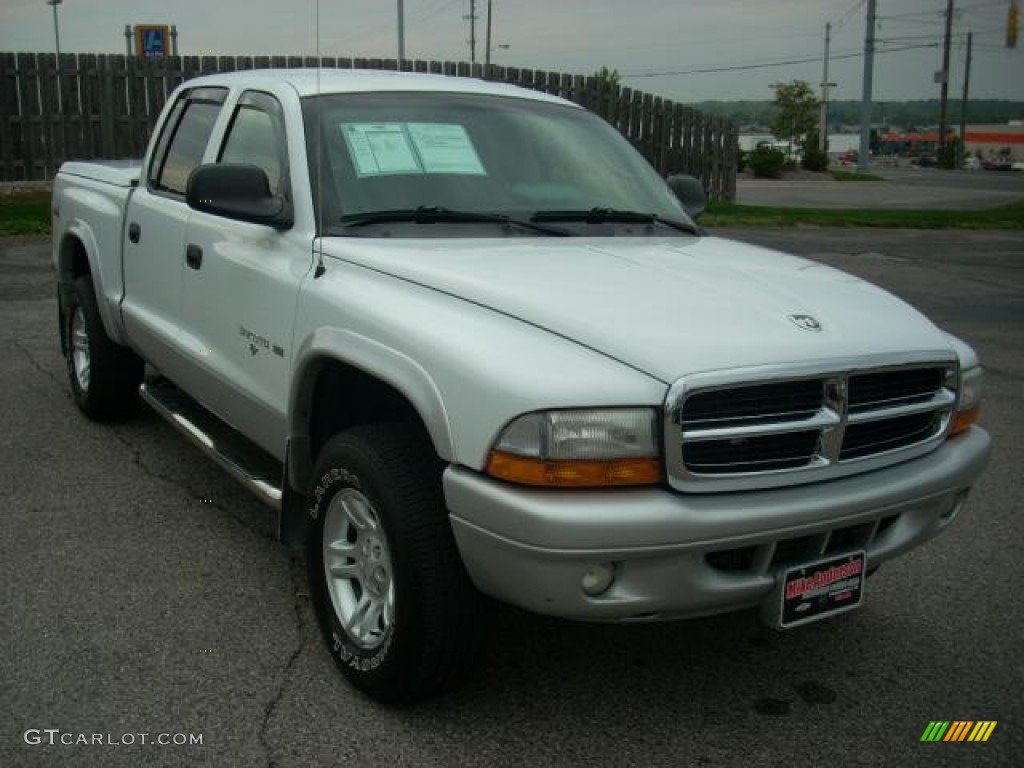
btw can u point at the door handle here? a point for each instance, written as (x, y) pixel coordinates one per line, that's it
(134, 232)
(194, 256)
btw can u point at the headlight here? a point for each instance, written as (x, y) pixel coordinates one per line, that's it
(969, 391)
(579, 448)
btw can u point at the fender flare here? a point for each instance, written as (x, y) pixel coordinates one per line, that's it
(376, 359)
(80, 230)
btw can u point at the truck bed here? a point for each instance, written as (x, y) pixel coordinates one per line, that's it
(120, 173)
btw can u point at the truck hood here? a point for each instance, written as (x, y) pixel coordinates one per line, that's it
(665, 306)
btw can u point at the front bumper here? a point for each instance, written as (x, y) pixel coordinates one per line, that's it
(678, 555)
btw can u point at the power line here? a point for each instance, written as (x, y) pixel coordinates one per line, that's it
(842, 19)
(376, 33)
(430, 11)
(959, 36)
(704, 41)
(940, 14)
(769, 64)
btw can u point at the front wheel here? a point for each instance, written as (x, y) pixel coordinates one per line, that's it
(393, 599)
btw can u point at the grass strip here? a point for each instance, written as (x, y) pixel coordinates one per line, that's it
(733, 215)
(854, 176)
(25, 213)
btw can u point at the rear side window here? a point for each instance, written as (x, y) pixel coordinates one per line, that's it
(182, 150)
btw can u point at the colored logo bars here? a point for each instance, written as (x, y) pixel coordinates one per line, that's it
(958, 730)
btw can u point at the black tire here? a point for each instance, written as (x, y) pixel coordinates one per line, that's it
(434, 639)
(109, 386)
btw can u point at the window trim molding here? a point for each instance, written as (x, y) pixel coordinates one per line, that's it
(269, 104)
(201, 95)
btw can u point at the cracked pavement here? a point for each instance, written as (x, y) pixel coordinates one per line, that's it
(144, 592)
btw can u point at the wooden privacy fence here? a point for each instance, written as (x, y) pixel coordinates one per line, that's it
(104, 106)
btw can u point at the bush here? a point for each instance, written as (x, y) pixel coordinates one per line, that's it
(815, 159)
(766, 162)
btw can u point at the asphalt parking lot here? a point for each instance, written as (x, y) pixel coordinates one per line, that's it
(144, 593)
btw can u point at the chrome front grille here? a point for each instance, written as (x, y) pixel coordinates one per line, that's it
(762, 453)
(871, 391)
(779, 401)
(871, 437)
(774, 427)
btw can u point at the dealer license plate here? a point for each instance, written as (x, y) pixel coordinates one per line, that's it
(818, 590)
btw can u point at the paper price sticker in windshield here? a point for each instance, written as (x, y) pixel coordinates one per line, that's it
(379, 149)
(446, 148)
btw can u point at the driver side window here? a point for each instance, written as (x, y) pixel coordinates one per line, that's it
(256, 136)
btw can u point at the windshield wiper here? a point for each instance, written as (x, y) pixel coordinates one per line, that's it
(605, 215)
(433, 214)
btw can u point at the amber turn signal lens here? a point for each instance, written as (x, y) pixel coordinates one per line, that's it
(575, 473)
(963, 420)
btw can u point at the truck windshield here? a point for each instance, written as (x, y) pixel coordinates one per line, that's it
(473, 160)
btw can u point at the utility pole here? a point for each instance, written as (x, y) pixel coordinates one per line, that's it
(863, 163)
(963, 103)
(56, 28)
(56, 40)
(401, 33)
(944, 89)
(825, 85)
(487, 55)
(472, 31)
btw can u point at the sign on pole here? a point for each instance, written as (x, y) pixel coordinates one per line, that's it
(153, 40)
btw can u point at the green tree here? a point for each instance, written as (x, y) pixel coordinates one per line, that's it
(609, 76)
(796, 111)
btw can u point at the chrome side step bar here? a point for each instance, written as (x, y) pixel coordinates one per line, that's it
(250, 465)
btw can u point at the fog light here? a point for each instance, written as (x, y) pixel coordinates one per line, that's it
(598, 578)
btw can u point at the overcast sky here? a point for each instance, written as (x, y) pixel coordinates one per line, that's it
(655, 44)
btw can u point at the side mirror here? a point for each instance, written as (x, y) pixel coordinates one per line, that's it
(237, 191)
(690, 194)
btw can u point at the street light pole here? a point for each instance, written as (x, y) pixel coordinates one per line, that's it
(472, 31)
(487, 55)
(56, 40)
(56, 28)
(401, 32)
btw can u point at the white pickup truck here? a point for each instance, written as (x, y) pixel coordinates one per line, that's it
(469, 343)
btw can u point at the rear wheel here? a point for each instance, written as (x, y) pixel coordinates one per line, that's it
(394, 602)
(104, 376)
